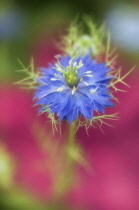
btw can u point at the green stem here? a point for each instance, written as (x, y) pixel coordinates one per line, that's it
(71, 139)
(71, 147)
(66, 178)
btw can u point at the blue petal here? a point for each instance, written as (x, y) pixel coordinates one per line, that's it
(69, 106)
(83, 104)
(72, 115)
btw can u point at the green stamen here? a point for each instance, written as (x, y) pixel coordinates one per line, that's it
(71, 71)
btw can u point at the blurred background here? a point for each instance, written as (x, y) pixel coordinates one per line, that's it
(30, 155)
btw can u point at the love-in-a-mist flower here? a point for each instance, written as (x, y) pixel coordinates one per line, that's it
(77, 86)
(73, 87)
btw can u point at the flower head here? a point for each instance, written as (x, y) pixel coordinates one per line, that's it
(85, 37)
(73, 87)
(85, 44)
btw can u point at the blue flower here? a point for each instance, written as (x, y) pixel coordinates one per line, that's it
(73, 87)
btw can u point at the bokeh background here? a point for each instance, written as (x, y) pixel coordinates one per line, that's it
(29, 153)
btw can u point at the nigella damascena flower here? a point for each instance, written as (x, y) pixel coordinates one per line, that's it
(73, 87)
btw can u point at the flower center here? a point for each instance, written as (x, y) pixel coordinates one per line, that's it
(71, 78)
(70, 72)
